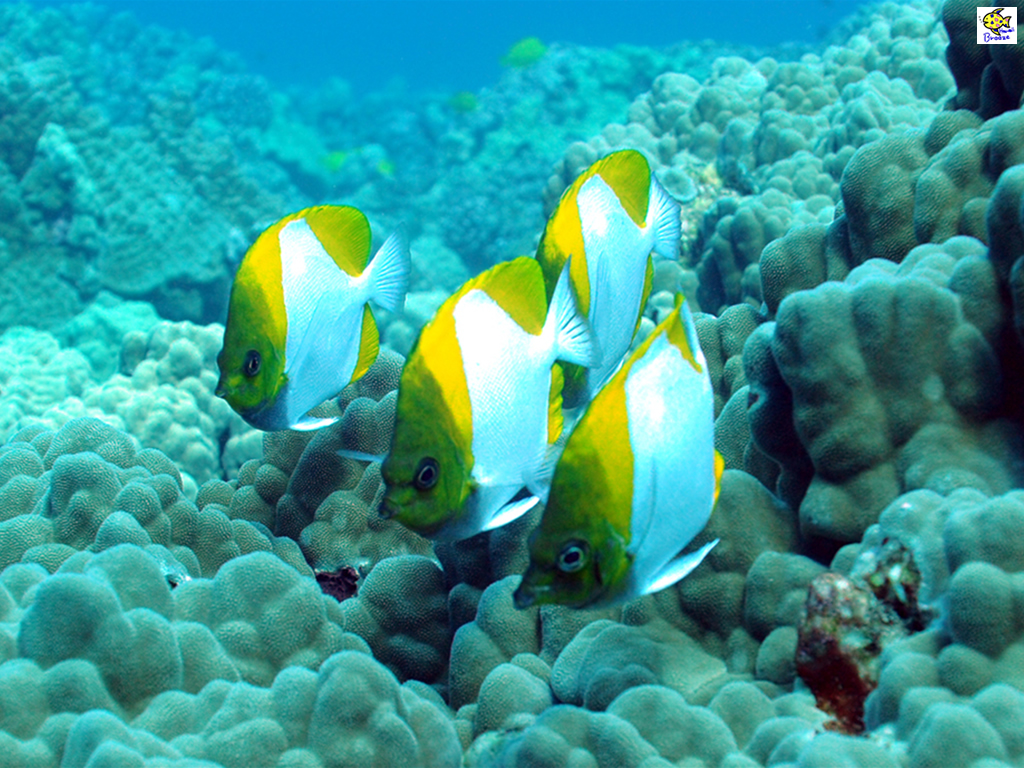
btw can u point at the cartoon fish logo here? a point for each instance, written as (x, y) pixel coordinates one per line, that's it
(609, 221)
(480, 403)
(636, 483)
(996, 21)
(299, 327)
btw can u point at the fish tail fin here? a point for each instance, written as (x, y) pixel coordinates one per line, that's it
(665, 212)
(389, 272)
(573, 341)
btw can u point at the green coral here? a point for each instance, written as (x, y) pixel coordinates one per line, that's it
(524, 53)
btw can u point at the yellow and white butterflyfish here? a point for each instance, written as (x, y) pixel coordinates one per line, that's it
(636, 482)
(609, 221)
(479, 403)
(299, 325)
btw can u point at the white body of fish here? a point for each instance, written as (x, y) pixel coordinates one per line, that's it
(670, 407)
(617, 251)
(508, 376)
(325, 319)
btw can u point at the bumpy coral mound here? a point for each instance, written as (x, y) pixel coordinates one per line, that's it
(164, 395)
(90, 486)
(110, 642)
(864, 401)
(989, 78)
(107, 185)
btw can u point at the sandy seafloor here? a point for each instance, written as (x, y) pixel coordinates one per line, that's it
(853, 241)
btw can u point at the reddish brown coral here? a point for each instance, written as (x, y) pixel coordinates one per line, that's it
(849, 621)
(340, 584)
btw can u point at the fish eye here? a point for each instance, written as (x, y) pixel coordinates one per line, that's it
(572, 557)
(251, 366)
(426, 474)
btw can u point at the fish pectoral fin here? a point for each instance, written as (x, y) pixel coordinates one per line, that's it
(511, 511)
(492, 506)
(308, 423)
(677, 568)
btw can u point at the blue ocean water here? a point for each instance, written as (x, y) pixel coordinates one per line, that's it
(457, 44)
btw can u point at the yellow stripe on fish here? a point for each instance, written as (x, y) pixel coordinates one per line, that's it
(636, 483)
(477, 403)
(609, 221)
(299, 326)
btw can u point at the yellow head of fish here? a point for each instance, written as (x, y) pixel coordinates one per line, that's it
(252, 360)
(577, 554)
(995, 20)
(580, 548)
(427, 471)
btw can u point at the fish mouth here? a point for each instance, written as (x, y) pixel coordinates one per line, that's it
(528, 593)
(523, 599)
(268, 417)
(387, 509)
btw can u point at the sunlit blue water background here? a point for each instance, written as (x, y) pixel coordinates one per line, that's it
(457, 44)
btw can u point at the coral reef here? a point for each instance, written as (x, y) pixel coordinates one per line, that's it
(177, 589)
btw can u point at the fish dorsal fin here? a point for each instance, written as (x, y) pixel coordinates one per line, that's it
(555, 405)
(628, 173)
(677, 568)
(344, 233)
(682, 332)
(369, 345)
(517, 287)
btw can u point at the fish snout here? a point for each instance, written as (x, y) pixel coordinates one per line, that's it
(387, 509)
(533, 588)
(523, 598)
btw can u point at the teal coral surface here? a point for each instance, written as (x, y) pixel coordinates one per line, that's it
(853, 248)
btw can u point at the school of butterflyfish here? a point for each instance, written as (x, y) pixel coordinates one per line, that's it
(522, 353)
